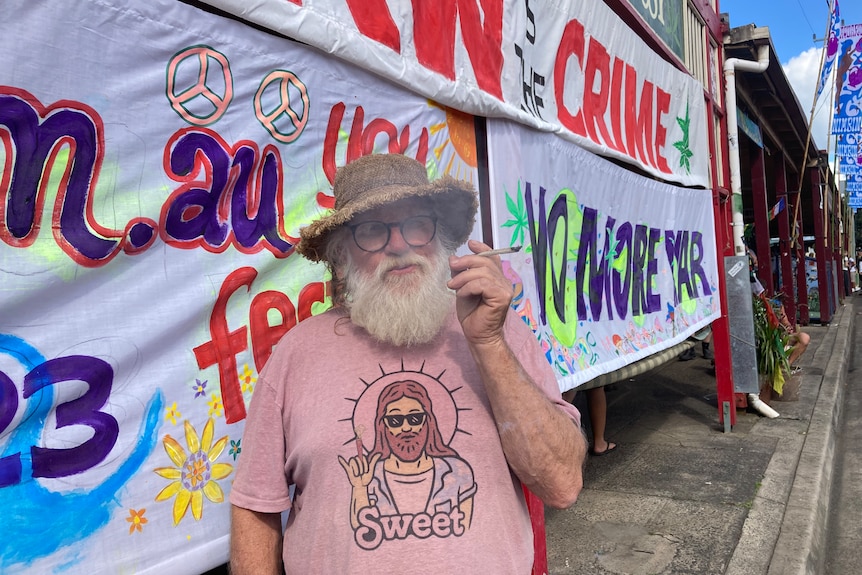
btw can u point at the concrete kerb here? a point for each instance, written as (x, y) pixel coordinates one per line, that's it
(801, 540)
(797, 483)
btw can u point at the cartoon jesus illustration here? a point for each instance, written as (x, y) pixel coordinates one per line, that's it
(410, 470)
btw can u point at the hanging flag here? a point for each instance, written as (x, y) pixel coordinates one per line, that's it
(776, 209)
(848, 83)
(831, 47)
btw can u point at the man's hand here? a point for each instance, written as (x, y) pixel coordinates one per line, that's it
(360, 471)
(483, 294)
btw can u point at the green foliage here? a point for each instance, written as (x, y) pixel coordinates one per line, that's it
(771, 348)
(685, 152)
(519, 220)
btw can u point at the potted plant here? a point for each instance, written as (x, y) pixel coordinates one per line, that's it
(771, 348)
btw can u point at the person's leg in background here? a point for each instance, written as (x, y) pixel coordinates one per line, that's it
(705, 347)
(597, 409)
(799, 343)
(597, 403)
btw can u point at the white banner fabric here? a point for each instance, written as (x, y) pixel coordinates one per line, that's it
(615, 266)
(566, 66)
(157, 163)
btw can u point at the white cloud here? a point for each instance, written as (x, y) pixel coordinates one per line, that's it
(803, 72)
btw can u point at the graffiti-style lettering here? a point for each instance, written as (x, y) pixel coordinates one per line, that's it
(481, 32)
(10, 465)
(84, 410)
(434, 29)
(598, 267)
(34, 137)
(685, 254)
(621, 277)
(225, 344)
(638, 262)
(373, 20)
(362, 138)
(695, 258)
(652, 301)
(374, 529)
(229, 195)
(98, 375)
(674, 245)
(611, 90)
(539, 240)
(621, 282)
(531, 81)
(75, 514)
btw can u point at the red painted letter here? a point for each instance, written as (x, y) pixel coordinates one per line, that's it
(434, 37)
(596, 103)
(373, 19)
(224, 346)
(661, 107)
(571, 44)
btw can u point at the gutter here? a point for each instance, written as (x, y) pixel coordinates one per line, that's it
(730, 67)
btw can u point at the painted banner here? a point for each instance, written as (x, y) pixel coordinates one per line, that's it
(616, 266)
(848, 82)
(157, 163)
(564, 66)
(831, 47)
(848, 150)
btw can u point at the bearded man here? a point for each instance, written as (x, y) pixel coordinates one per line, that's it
(422, 347)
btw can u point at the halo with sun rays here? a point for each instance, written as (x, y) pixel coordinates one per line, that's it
(443, 404)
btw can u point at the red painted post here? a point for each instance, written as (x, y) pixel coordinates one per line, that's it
(761, 220)
(799, 248)
(784, 247)
(721, 326)
(822, 250)
(540, 545)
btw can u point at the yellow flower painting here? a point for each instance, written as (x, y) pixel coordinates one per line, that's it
(215, 405)
(247, 379)
(172, 413)
(196, 472)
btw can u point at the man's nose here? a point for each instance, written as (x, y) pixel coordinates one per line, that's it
(396, 243)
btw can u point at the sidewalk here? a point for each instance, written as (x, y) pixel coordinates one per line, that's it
(680, 496)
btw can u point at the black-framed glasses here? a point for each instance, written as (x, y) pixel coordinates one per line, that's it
(373, 236)
(413, 419)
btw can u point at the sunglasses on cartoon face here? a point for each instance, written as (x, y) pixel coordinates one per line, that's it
(413, 419)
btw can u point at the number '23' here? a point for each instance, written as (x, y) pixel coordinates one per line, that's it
(84, 410)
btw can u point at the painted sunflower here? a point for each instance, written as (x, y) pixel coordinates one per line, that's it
(196, 472)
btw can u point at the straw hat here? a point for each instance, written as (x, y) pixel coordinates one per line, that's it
(379, 179)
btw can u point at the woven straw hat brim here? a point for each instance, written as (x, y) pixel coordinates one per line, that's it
(455, 204)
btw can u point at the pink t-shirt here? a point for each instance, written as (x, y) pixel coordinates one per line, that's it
(326, 396)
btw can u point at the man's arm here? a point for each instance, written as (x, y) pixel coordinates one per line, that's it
(543, 446)
(255, 542)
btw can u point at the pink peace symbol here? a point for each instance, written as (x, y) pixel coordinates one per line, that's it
(179, 97)
(284, 80)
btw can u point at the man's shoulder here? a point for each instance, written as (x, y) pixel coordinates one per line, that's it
(315, 327)
(327, 317)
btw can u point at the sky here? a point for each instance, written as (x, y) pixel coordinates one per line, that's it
(794, 25)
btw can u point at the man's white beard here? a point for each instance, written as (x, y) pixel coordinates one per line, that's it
(401, 310)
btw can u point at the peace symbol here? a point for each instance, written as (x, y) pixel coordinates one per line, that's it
(284, 83)
(199, 94)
